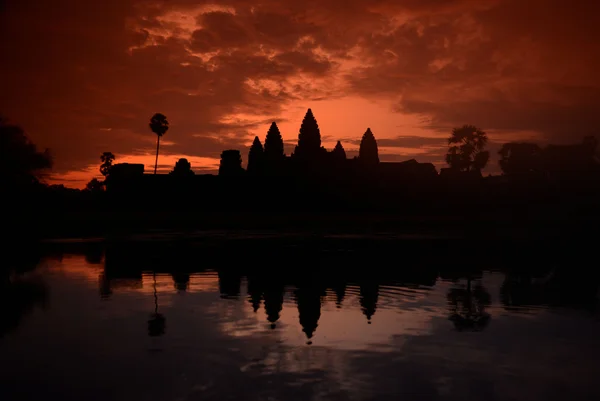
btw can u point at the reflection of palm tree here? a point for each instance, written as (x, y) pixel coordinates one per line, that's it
(467, 307)
(157, 322)
(466, 152)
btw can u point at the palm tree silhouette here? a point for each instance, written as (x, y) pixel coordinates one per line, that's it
(159, 125)
(466, 152)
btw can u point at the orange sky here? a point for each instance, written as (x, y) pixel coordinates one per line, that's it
(85, 77)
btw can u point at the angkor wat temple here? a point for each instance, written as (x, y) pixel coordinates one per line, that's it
(313, 178)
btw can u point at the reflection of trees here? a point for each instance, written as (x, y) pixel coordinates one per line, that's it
(18, 297)
(369, 293)
(467, 306)
(563, 287)
(157, 322)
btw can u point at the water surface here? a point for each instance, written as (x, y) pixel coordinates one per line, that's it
(160, 321)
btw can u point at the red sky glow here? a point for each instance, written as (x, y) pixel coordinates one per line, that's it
(84, 77)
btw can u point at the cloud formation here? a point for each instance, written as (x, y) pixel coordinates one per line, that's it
(85, 78)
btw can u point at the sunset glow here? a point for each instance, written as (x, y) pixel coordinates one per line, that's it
(86, 78)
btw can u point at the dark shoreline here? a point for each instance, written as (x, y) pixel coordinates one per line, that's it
(479, 227)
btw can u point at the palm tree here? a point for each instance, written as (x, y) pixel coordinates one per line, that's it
(467, 151)
(159, 125)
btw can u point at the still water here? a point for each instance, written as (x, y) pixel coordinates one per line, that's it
(89, 321)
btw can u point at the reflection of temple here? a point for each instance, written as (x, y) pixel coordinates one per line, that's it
(118, 273)
(340, 293)
(308, 300)
(274, 302)
(229, 283)
(369, 292)
(255, 292)
(269, 289)
(181, 280)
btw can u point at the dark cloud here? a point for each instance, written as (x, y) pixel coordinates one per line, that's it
(86, 77)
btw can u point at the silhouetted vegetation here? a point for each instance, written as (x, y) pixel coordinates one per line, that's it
(94, 186)
(159, 125)
(21, 163)
(467, 151)
(520, 158)
(107, 159)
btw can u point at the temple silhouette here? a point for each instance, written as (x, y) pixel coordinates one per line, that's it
(313, 178)
(544, 191)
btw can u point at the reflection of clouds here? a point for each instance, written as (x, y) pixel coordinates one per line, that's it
(217, 349)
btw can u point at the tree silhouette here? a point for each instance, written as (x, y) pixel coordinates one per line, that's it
(255, 157)
(338, 153)
(107, 159)
(231, 163)
(368, 153)
(273, 144)
(466, 152)
(20, 161)
(94, 186)
(309, 138)
(183, 168)
(519, 158)
(159, 125)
